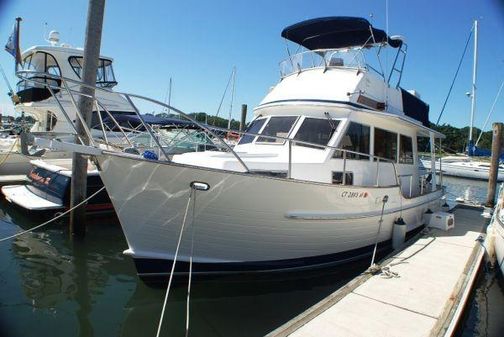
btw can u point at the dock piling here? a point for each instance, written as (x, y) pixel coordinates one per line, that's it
(243, 116)
(494, 165)
(78, 193)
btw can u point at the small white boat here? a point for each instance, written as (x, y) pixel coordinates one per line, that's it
(48, 188)
(465, 167)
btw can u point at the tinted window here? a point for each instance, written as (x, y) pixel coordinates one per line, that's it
(405, 150)
(254, 127)
(356, 139)
(277, 127)
(385, 144)
(104, 73)
(316, 130)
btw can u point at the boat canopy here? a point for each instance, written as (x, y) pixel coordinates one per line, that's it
(133, 121)
(337, 32)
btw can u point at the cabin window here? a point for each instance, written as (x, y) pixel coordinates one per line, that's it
(356, 139)
(105, 77)
(254, 127)
(337, 178)
(277, 127)
(317, 131)
(405, 150)
(42, 63)
(385, 144)
(39, 62)
(51, 120)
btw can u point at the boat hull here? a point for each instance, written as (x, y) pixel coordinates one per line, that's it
(15, 163)
(498, 226)
(246, 222)
(464, 171)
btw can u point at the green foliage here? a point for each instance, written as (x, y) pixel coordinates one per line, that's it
(456, 139)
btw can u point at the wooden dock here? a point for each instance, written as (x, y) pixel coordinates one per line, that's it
(423, 296)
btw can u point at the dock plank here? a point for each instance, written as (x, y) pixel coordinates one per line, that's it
(431, 273)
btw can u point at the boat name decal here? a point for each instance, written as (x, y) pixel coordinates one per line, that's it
(36, 177)
(354, 195)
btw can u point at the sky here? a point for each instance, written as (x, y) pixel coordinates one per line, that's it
(197, 43)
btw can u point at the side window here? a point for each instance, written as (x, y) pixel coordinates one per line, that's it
(385, 144)
(52, 66)
(356, 139)
(76, 63)
(405, 150)
(277, 127)
(316, 130)
(254, 127)
(104, 73)
(27, 63)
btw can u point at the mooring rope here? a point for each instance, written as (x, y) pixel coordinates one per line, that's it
(55, 218)
(174, 262)
(384, 201)
(9, 152)
(190, 266)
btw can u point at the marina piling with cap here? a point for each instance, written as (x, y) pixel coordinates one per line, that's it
(494, 164)
(243, 116)
(94, 26)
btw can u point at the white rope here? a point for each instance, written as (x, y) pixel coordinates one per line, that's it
(190, 267)
(55, 218)
(384, 201)
(173, 264)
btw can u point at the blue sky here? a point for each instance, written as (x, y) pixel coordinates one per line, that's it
(198, 42)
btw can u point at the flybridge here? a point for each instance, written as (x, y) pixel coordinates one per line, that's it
(345, 53)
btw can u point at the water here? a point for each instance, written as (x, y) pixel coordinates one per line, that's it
(53, 286)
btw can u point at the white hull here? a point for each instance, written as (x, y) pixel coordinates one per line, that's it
(464, 170)
(15, 163)
(246, 218)
(498, 228)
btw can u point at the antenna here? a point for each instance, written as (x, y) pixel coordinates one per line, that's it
(45, 32)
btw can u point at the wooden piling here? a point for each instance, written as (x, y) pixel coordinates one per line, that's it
(243, 116)
(78, 193)
(494, 165)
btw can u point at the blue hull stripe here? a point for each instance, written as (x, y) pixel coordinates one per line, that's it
(149, 268)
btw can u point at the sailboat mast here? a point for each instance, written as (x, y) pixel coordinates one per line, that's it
(473, 91)
(232, 97)
(169, 95)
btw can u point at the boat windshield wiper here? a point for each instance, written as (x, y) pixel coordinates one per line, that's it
(331, 122)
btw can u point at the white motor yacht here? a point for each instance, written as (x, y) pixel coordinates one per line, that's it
(331, 151)
(41, 65)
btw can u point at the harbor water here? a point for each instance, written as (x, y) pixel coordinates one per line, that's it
(54, 286)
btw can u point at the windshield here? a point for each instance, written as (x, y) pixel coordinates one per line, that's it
(104, 73)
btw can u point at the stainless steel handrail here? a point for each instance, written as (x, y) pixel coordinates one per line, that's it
(209, 129)
(128, 96)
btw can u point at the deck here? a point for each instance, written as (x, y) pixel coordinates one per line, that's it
(435, 273)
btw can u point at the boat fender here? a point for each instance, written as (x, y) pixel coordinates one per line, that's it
(399, 233)
(150, 155)
(427, 216)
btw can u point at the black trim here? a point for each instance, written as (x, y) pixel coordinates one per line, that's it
(153, 271)
(355, 105)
